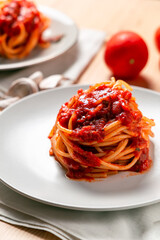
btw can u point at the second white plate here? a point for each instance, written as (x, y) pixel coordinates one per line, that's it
(25, 164)
(60, 24)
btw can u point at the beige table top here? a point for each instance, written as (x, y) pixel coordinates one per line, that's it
(141, 16)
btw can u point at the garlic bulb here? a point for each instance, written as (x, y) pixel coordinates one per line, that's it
(50, 82)
(22, 87)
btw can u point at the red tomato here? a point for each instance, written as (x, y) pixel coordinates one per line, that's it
(157, 38)
(126, 54)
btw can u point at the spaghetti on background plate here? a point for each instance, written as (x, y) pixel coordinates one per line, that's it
(100, 132)
(21, 28)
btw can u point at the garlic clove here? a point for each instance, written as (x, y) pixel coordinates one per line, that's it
(3, 92)
(22, 87)
(67, 82)
(3, 96)
(6, 102)
(50, 82)
(37, 77)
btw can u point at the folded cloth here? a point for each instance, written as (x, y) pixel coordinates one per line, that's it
(140, 224)
(71, 64)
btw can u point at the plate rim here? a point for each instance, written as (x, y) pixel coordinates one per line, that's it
(77, 85)
(80, 208)
(68, 206)
(27, 63)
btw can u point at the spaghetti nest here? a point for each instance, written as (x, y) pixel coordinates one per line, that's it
(21, 28)
(100, 132)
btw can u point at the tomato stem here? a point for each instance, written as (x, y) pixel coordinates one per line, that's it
(131, 61)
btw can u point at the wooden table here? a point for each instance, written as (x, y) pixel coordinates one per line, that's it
(141, 16)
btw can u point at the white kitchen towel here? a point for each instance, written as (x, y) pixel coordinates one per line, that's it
(71, 64)
(135, 224)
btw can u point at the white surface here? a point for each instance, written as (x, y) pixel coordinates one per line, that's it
(25, 164)
(60, 24)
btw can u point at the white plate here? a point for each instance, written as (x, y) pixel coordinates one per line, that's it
(25, 164)
(60, 24)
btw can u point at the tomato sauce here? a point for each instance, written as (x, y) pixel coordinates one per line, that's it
(93, 110)
(143, 163)
(86, 158)
(75, 171)
(16, 12)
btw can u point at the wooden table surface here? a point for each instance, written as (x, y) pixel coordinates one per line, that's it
(141, 16)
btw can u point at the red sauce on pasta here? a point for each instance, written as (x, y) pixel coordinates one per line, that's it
(93, 110)
(15, 12)
(100, 132)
